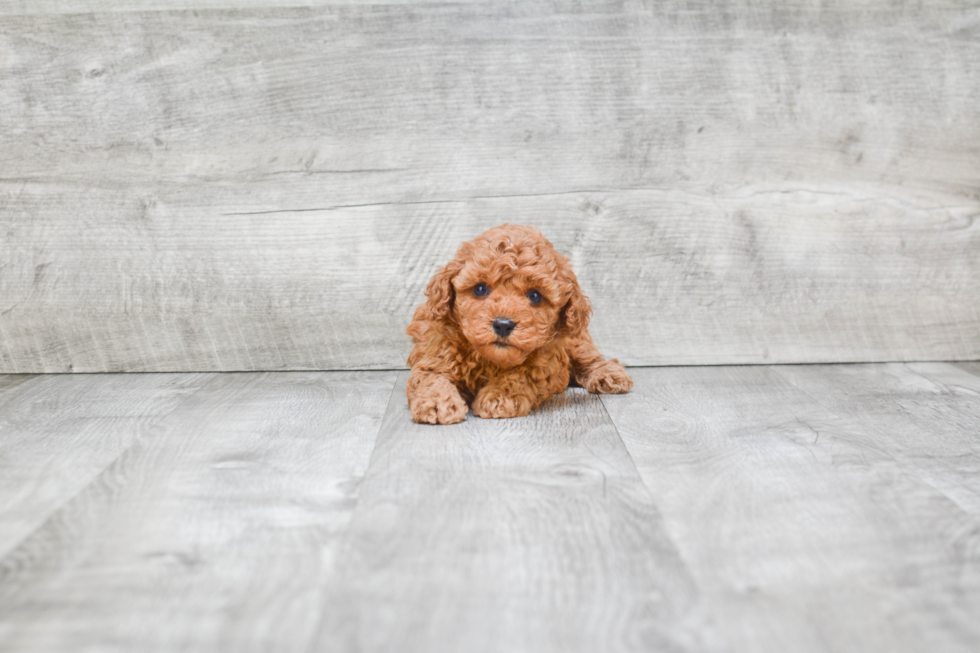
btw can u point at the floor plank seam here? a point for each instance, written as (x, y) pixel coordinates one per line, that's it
(344, 540)
(4, 555)
(619, 435)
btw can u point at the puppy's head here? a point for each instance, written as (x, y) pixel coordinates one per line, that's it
(509, 292)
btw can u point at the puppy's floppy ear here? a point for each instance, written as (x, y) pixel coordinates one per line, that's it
(440, 291)
(574, 317)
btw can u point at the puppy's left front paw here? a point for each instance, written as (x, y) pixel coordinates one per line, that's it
(608, 378)
(493, 404)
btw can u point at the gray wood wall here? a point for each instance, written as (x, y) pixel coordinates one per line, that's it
(253, 185)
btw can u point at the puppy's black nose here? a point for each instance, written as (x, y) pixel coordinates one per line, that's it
(503, 327)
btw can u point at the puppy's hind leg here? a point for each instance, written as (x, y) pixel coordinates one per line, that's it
(434, 399)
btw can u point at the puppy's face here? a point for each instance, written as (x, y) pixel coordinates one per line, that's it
(506, 318)
(510, 292)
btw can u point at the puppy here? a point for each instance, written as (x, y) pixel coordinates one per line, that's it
(504, 327)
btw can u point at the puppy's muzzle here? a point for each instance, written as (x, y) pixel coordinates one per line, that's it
(503, 327)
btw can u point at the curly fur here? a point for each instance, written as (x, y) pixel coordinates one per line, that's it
(458, 360)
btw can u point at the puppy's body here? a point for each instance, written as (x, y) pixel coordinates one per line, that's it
(504, 327)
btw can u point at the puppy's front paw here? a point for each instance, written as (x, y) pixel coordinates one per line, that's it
(608, 378)
(492, 404)
(440, 403)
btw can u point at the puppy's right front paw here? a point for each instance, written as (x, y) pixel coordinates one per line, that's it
(446, 407)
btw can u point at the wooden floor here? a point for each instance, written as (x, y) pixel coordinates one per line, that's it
(797, 508)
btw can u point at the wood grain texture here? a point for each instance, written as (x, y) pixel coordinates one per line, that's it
(217, 532)
(58, 433)
(525, 534)
(804, 517)
(925, 415)
(10, 381)
(13, 7)
(971, 367)
(271, 188)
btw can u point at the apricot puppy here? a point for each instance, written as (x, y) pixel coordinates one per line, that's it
(504, 327)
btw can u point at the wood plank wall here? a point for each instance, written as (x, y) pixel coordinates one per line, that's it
(257, 186)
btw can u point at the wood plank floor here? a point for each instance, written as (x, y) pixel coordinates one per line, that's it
(785, 508)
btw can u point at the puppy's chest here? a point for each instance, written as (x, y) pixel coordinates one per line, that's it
(546, 369)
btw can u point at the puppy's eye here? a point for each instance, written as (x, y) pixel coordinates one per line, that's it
(534, 296)
(481, 290)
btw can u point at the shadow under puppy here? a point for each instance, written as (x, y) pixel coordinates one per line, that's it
(504, 327)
